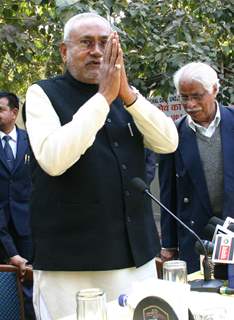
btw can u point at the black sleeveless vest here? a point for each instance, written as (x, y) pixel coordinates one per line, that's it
(89, 218)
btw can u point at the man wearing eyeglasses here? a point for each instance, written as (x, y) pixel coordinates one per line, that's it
(88, 129)
(197, 181)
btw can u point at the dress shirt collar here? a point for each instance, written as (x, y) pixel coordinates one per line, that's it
(209, 131)
(12, 134)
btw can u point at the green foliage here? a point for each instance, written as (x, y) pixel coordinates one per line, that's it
(157, 36)
(168, 34)
(28, 34)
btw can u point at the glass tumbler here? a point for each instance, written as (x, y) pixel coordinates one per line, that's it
(91, 304)
(175, 270)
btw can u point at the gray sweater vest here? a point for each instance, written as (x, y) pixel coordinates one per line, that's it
(210, 150)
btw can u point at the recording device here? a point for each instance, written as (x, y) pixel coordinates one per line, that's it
(206, 285)
(220, 270)
(223, 255)
(211, 228)
(227, 223)
(209, 245)
(215, 227)
(208, 231)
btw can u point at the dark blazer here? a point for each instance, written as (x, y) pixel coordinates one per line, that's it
(184, 191)
(15, 192)
(150, 165)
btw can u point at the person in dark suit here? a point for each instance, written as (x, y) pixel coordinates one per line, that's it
(15, 190)
(197, 181)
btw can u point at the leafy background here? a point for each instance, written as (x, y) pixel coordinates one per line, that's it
(157, 36)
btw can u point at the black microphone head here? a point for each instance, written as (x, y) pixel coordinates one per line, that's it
(139, 184)
(208, 231)
(231, 227)
(207, 244)
(215, 220)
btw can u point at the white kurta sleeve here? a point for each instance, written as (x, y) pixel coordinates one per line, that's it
(57, 147)
(159, 131)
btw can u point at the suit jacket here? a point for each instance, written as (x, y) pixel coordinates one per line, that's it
(15, 192)
(184, 191)
(150, 165)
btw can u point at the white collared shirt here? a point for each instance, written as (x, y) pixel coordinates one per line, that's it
(12, 141)
(50, 145)
(209, 131)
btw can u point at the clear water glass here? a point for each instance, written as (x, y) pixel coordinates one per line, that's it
(91, 304)
(175, 270)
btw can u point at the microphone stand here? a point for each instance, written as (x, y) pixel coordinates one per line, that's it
(206, 285)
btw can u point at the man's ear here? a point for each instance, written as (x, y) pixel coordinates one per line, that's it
(15, 112)
(215, 90)
(63, 52)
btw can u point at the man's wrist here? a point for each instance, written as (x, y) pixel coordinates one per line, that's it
(129, 105)
(168, 253)
(130, 99)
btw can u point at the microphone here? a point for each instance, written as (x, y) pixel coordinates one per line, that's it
(214, 221)
(209, 231)
(220, 269)
(206, 285)
(223, 290)
(209, 245)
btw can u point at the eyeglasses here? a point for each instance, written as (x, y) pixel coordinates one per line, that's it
(89, 44)
(2, 107)
(197, 97)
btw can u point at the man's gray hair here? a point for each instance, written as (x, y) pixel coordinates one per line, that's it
(78, 17)
(199, 72)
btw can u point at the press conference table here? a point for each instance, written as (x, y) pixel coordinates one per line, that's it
(199, 301)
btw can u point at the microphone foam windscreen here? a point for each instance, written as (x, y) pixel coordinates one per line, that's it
(139, 184)
(215, 220)
(231, 227)
(208, 231)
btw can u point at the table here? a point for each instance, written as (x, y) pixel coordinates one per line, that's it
(198, 302)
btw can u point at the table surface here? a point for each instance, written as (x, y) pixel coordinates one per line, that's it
(199, 301)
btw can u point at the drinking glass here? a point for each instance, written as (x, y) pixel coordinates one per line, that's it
(91, 304)
(175, 270)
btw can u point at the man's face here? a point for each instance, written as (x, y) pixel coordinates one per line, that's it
(7, 116)
(198, 102)
(84, 49)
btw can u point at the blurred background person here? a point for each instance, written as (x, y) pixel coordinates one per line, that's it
(15, 191)
(197, 181)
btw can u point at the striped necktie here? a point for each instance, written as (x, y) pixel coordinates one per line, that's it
(8, 152)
